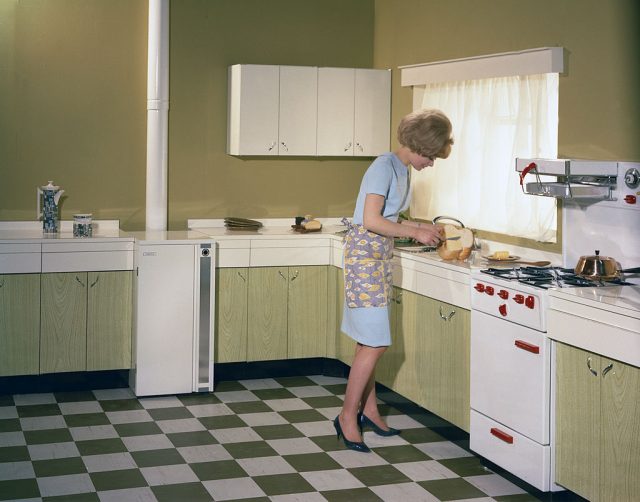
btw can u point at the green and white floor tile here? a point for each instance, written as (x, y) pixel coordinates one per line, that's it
(264, 439)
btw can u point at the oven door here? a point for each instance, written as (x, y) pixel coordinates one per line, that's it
(510, 375)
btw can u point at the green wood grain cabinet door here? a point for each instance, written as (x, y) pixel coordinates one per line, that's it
(267, 313)
(307, 312)
(578, 421)
(109, 307)
(397, 367)
(63, 322)
(620, 444)
(452, 396)
(231, 315)
(19, 324)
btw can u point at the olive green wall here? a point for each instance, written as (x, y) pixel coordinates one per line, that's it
(73, 92)
(73, 105)
(207, 37)
(599, 103)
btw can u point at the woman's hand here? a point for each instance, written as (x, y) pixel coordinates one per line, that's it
(428, 234)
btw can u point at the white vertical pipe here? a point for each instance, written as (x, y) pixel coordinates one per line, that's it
(157, 115)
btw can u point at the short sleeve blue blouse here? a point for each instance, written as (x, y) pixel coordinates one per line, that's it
(389, 177)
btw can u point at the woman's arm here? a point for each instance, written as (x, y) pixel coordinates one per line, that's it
(373, 220)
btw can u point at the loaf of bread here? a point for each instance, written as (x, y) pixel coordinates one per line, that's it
(500, 255)
(459, 249)
(311, 225)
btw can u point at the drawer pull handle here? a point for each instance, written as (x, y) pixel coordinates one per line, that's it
(502, 435)
(534, 349)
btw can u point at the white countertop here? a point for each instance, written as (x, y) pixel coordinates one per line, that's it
(623, 300)
(21, 232)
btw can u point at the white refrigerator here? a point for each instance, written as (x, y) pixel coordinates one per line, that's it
(173, 314)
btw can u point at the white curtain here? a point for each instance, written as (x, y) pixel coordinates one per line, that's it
(494, 121)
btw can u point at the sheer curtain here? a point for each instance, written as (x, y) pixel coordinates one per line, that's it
(494, 121)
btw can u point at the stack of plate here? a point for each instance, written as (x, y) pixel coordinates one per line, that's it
(241, 224)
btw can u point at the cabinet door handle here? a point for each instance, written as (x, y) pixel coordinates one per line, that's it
(360, 147)
(81, 283)
(272, 146)
(398, 298)
(282, 275)
(95, 282)
(507, 438)
(242, 277)
(446, 317)
(295, 276)
(607, 369)
(348, 146)
(593, 372)
(284, 145)
(2, 285)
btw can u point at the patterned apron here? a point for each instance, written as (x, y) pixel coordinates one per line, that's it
(367, 267)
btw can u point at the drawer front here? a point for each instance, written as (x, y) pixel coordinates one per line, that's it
(233, 258)
(285, 257)
(511, 375)
(517, 454)
(20, 263)
(87, 261)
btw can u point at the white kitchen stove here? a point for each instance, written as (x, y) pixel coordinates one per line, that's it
(511, 366)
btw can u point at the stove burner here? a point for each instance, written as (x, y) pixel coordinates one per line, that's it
(549, 277)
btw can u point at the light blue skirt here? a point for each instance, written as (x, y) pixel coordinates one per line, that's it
(367, 325)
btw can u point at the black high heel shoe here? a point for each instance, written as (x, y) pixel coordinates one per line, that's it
(364, 421)
(352, 445)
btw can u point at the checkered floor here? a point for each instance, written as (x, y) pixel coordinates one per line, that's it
(263, 439)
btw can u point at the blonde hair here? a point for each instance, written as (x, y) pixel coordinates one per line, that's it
(427, 133)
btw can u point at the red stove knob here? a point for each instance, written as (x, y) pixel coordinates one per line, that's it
(489, 290)
(503, 310)
(503, 293)
(479, 287)
(530, 301)
(630, 199)
(518, 299)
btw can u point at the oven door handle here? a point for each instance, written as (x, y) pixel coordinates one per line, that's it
(529, 347)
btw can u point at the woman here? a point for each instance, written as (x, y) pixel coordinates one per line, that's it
(423, 136)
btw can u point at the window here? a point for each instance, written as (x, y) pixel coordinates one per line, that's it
(495, 120)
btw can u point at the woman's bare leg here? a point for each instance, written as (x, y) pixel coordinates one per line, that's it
(360, 388)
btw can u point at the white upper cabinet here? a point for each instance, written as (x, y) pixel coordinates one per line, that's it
(272, 110)
(336, 87)
(354, 111)
(298, 110)
(252, 127)
(304, 110)
(372, 119)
